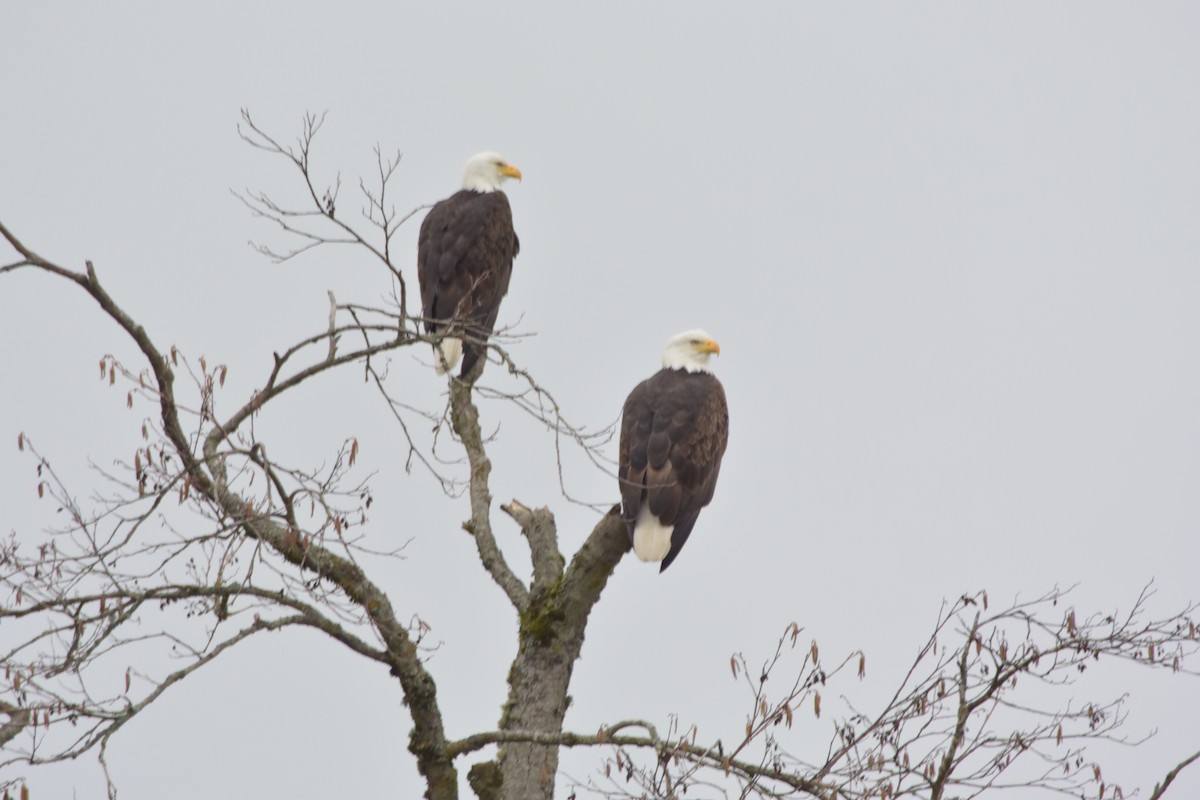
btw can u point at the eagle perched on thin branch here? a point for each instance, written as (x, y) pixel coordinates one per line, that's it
(465, 252)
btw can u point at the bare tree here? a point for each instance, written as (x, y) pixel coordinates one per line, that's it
(203, 539)
(956, 726)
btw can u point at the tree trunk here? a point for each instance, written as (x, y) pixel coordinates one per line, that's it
(551, 637)
(538, 683)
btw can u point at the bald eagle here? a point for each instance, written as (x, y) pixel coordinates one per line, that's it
(464, 260)
(674, 429)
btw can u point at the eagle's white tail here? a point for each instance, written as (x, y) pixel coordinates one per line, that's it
(651, 539)
(447, 354)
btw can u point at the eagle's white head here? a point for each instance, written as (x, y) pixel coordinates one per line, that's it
(486, 171)
(690, 350)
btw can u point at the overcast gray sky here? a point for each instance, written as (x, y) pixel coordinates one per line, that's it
(949, 251)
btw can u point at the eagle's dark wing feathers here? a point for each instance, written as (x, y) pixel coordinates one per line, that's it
(674, 430)
(465, 251)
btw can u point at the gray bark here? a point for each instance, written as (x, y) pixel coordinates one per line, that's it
(551, 637)
(552, 613)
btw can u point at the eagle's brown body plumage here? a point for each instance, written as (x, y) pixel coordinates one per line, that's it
(465, 253)
(674, 429)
